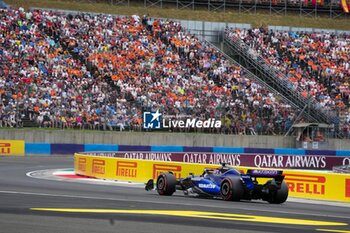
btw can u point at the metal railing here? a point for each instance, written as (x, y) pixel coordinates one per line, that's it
(279, 81)
(330, 8)
(342, 169)
(249, 74)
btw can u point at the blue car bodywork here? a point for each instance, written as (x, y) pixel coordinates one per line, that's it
(209, 183)
(227, 183)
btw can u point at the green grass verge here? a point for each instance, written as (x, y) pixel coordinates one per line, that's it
(229, 16)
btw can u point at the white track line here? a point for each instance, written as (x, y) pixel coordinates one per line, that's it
(141, 185)
(170, 203)
(56, 177)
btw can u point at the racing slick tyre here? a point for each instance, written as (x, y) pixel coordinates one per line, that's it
(231, 189)
(166, 184)
(280, 195)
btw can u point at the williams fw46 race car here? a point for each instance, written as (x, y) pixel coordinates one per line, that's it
(227, 183)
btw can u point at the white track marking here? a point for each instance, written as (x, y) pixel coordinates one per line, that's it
(203, 204)
(318, 202)
(49, 175)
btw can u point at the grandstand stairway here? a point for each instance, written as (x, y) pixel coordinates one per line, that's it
(249, 59)
(247, 73)
(27, 122)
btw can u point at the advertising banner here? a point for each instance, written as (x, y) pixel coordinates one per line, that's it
(132, 169)
(322, 186)
(12, 147)
(313, 162)
(304, 184)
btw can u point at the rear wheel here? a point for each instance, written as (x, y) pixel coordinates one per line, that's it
(166, 184)
(280, 195)
(231, 189)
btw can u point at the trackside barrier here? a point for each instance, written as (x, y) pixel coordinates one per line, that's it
(66, 148)
(12, 147)
(313, 185)
(132, 169)
(313, 162)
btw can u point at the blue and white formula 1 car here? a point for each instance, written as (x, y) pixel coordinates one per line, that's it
(227, 183)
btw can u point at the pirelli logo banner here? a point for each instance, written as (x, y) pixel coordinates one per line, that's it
(126, 169)
(98, 166)
(12, 147)
(159, 168)
(305, 184)
(347, 188)
(81, 164)
(318, 185)
(132, 169)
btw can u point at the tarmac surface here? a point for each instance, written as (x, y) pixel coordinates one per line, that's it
(44, 205)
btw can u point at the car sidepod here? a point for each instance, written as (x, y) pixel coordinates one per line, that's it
(206, 186)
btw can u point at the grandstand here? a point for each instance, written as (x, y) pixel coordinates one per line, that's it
(90, 71)
(314, 63)
(312, 68)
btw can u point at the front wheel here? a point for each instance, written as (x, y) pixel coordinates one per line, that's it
(231, 189)
(166, 184)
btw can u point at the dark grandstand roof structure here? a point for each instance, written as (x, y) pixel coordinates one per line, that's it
(308, 8)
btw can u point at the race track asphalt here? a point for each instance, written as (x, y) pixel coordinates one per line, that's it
(80, 207)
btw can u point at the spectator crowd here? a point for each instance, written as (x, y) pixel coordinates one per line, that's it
(90, 71)
(316, 64)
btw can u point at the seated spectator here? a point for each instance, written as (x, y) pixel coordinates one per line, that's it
(79, 122)
(46, 122)
(111, 69)
(121, 123)
(316, 64)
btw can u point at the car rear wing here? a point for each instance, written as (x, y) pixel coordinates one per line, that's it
(277, 174)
